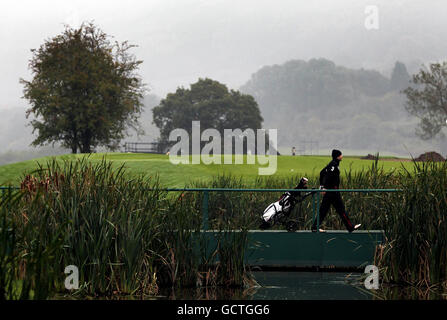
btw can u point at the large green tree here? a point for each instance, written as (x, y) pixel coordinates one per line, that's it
(209, 102)
(85, 91)
(427, 99)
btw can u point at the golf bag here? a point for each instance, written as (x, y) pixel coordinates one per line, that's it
(279, 210)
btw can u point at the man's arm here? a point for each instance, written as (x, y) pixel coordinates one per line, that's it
(323, 179)
(323, 174)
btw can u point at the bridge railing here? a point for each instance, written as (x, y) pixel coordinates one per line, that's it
(315, 193)
(315, 197)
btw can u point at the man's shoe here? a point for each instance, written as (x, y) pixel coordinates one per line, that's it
(355, 227)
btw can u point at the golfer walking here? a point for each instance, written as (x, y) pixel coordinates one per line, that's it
(330, 179)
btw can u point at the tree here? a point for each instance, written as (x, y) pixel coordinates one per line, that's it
(427, 99)
(85, 91)
(209, 102)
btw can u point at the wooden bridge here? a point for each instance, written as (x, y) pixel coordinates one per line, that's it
(304, 249)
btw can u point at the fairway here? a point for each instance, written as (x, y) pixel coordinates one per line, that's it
(179, 175)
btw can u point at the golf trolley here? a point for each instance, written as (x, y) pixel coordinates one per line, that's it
(279, 211)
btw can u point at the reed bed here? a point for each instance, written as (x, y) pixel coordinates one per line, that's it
(127, 237)
(415, 252)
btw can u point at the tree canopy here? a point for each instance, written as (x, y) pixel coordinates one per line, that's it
(209, 102)
(427, 99)
(85, 90)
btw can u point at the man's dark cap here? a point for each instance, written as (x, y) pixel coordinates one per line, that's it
(336, 153)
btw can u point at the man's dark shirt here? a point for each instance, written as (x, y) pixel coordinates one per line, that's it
(330, 175)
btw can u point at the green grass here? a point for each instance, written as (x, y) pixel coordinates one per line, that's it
(180, 175)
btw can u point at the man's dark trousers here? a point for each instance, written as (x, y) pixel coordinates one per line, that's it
(335, 199)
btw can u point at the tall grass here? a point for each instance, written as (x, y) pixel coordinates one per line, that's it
(28, 252)
(416, 249)
(91, 216)
(125, 236)
(8, 251)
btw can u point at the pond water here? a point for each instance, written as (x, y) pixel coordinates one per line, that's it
(273, 285)
(309, 286)
(285, 286)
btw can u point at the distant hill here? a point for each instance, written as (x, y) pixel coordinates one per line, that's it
(353, 109)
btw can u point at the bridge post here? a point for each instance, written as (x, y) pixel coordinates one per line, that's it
(313, 209)
(318, 211)
(205, 224)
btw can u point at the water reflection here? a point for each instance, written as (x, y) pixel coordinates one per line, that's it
(304, 286)
(309, 286)
(284, 286)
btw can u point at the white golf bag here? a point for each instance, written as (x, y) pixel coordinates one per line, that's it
(280, 209)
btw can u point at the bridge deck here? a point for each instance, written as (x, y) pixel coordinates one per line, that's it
(306, 249)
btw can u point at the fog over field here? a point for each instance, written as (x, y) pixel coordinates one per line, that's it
(231, 41)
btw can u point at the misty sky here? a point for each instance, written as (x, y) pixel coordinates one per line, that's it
(182, 40)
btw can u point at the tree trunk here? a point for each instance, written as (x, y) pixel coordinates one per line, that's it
(86, 149)
(86, 139)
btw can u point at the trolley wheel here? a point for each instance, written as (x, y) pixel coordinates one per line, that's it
(291, 226)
